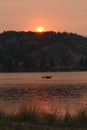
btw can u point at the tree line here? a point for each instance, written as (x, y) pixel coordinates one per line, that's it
(30, 51)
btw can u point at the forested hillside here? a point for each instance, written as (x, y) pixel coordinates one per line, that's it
(47, 51)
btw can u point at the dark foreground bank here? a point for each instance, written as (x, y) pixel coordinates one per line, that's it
(34, 119)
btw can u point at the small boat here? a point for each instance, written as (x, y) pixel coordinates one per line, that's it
(46, 77)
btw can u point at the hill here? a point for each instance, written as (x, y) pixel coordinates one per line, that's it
(48, 51)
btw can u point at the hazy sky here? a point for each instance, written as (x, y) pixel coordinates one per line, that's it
(57, 15)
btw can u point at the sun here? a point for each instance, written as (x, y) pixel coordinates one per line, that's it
(40, 29)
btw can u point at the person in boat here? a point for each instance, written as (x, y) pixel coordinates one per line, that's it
(47, 77)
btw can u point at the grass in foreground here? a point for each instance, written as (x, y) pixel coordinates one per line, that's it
(34, 119)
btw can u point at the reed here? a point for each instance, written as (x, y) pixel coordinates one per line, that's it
(32, 117)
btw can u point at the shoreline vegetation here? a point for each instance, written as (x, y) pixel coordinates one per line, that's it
(34, 119)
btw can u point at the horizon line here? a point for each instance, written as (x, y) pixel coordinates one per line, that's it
(42, 32)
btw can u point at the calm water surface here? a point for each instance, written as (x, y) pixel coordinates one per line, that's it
(65, 91)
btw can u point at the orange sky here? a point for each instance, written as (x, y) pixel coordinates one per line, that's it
(57, 15)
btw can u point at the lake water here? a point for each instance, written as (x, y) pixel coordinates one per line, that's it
(65, 91)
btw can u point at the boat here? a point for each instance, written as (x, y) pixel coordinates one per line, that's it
(47, 77)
